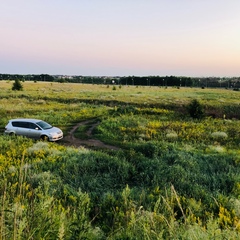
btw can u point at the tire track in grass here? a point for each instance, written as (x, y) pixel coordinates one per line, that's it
(71, 140)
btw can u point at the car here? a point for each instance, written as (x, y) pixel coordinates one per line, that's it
(33, 128)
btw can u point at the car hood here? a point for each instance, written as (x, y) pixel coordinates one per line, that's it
(53, 130)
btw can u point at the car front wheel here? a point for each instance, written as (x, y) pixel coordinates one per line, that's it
(44, 138)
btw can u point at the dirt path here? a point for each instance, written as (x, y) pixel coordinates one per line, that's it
(71, 140)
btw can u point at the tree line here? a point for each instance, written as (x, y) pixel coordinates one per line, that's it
(161, 81)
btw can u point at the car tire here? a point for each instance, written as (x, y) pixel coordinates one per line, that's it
(44, 138)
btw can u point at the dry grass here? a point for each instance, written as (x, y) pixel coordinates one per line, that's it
(140, 94)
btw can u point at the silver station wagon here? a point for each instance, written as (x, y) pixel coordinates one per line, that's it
(33, 128)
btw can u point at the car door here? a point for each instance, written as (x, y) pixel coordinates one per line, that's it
(20, 128)
(33, 131)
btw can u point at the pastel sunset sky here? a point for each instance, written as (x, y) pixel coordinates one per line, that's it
(120, 37)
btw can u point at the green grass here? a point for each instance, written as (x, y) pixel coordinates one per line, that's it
(174, 178)
(82, 131)
(142, 94)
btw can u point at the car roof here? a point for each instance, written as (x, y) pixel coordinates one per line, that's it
(25, 120)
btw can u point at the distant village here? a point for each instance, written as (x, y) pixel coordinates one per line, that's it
(160, 81)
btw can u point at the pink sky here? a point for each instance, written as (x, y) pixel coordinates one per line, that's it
(137, 37)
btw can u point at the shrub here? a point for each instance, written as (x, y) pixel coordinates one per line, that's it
(172, 136)
(149, 149)
(195, 109)
(216, 149)
(17, 85)
(219, 135)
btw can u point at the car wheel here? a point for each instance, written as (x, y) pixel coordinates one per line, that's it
(44, 138)
(12, 134)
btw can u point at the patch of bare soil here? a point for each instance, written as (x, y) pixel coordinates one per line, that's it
(71, 140)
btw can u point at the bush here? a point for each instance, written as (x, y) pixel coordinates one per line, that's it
(195, 109)
(171, 136)
(219, 135)
(17, 86)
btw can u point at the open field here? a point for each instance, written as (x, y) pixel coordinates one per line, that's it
(124, 93)
(169, 177)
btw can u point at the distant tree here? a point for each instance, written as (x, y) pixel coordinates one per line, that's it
(17, 86)
(46, 77)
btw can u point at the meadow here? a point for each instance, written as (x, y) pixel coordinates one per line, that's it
(173, 177)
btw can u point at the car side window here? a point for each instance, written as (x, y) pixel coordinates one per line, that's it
(33, 126)
(20, 124)
(16, 124)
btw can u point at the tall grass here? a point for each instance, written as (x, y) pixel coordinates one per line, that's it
(175, 177)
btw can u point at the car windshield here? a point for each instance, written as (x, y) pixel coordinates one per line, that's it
(44, 125)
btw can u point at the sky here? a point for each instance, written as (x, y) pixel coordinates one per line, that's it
(194, 38)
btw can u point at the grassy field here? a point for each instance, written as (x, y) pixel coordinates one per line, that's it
(173, 177)
(129, 93)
